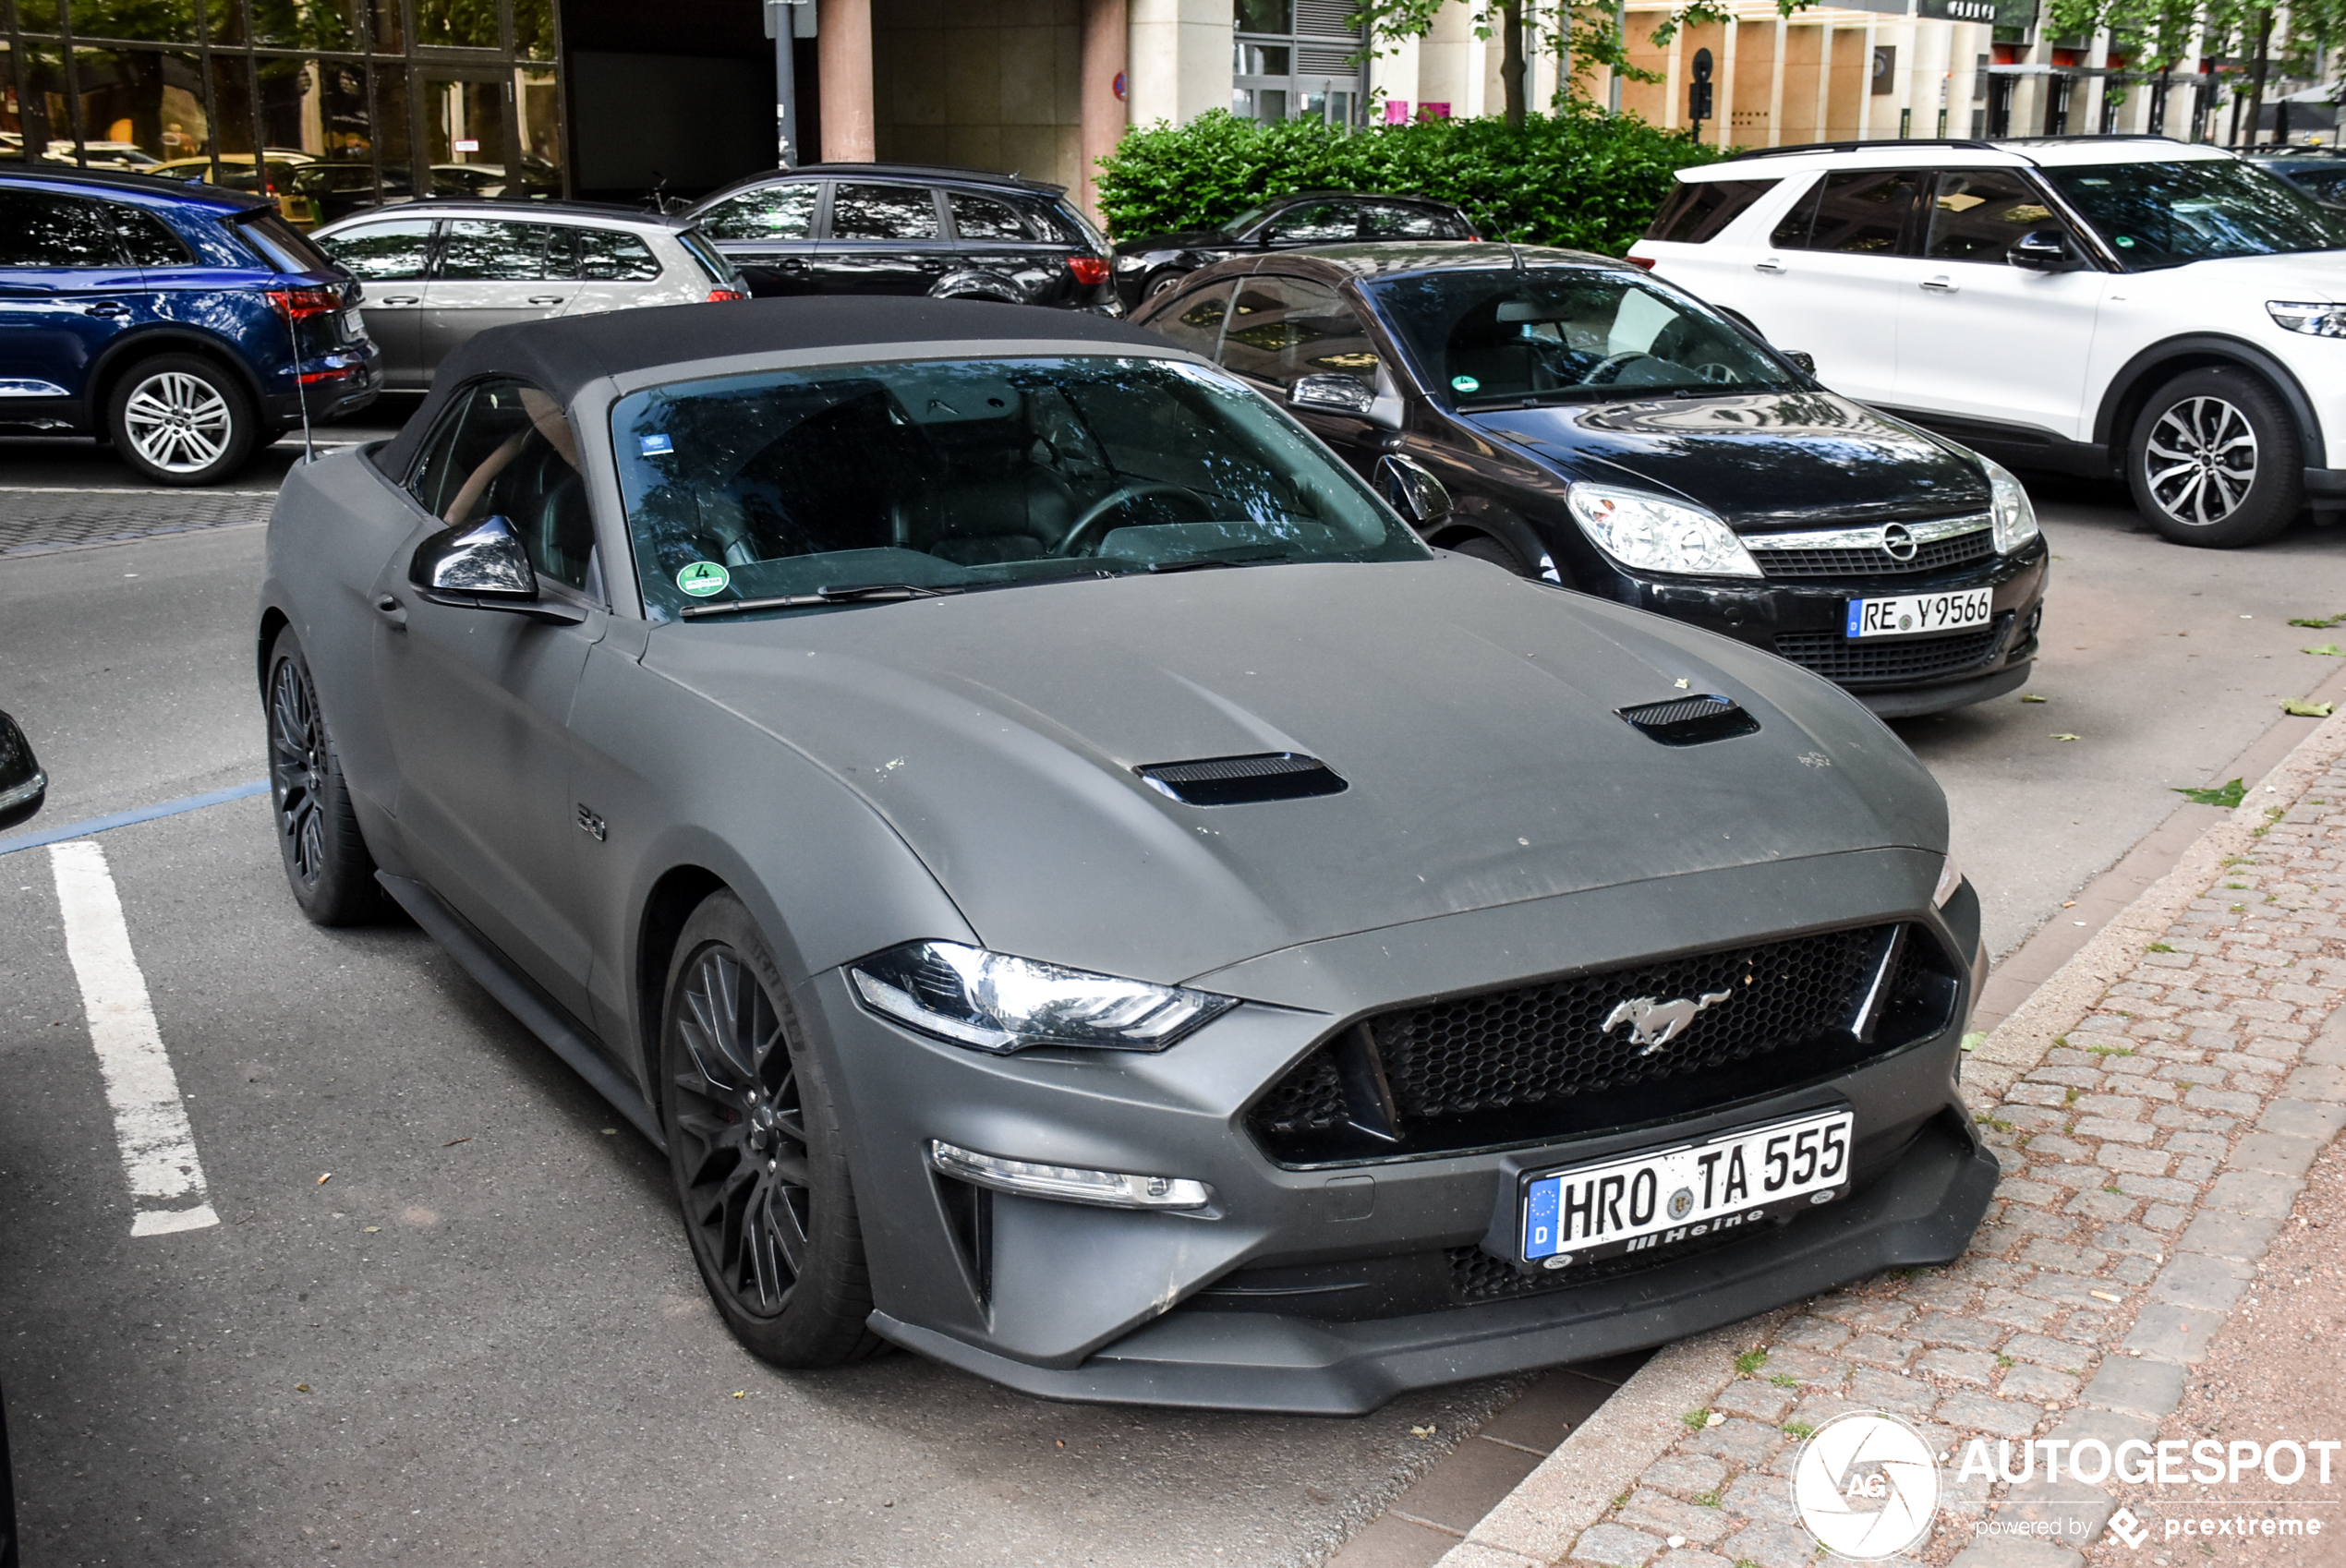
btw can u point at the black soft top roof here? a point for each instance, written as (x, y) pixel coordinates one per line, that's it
(562, 357)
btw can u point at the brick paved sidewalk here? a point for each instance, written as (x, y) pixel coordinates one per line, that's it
(36, 520)
(2150, 1156)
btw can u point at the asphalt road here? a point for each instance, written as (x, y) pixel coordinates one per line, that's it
(482, 1338)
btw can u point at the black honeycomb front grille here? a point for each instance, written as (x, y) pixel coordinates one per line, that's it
(1859, 661)
(1874, 561)
(1621, 1047)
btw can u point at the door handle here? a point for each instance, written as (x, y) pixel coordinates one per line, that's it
(402, 299)
(106, 307)
(391, 610)
(548, 298)
(1767, 264)
(1939, 285)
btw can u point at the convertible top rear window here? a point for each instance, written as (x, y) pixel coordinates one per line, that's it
(948, 476)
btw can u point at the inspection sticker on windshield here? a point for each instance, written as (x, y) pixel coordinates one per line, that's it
(1920, 613)
(1667, 1195)
(703, 578)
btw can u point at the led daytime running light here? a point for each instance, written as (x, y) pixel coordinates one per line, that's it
(1068, 1184)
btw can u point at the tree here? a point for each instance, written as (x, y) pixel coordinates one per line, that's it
(2167, 32)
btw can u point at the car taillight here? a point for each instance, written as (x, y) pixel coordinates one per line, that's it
(1645, 261)
(1089, 271)
(716, 295)
(294, 303)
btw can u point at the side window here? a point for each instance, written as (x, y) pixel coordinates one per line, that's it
(1194, 320)
(1316, 222)
(1978, 214)
(41, 230)
(978, 217)
(1284, 328)
(147, 240)
(779, 212)
(1700, 208)
(490, 250)
(1864, 211)
(883, 211)
(383, 251)
(1394, 219)
(1791, 231)
(504, 449)
(608, 255)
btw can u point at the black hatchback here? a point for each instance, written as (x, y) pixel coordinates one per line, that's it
(1150, 264)
(1588, 424)
(909, 228)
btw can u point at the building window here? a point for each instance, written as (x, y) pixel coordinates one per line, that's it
(1294, 60)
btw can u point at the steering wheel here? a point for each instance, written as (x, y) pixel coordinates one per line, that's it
(1611, 369)
(1120, 497)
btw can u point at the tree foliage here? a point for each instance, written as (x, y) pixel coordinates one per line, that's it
(1584, 178)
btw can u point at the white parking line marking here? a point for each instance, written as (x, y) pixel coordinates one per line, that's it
(150, 1119)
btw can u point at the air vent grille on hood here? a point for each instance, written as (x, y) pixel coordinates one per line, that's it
(1231, 781)
(1690, 721)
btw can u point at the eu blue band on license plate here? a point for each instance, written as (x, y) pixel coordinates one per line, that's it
(1680, 1192)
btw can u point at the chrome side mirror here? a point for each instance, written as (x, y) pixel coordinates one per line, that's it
(483, 567)
(1415, 493)
(1333, 394)
(2040, 250)
(22, 784)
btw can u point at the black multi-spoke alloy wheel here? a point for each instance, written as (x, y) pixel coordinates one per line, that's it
(756, 1151)
(326, 858)
(2216, 462)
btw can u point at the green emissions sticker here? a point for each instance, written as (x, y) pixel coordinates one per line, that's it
(703, 578)
(1464, 383)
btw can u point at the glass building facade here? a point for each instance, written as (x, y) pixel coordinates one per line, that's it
(327, 105)
(1298, 59)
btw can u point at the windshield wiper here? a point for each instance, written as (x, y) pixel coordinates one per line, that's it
(853, 592)
(1200, 562)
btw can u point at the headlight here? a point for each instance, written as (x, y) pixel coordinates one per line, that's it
(994, 1002)
(1950, 878)
(2008, 503)
(1646, 531)
(2320, 320)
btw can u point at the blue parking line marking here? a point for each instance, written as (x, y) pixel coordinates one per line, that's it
(127, 818)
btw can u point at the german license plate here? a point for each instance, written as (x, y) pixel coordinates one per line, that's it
(1667, 1196)
(1912, 613)
(354, 326)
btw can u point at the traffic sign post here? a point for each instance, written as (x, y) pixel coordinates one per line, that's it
(1698, 94)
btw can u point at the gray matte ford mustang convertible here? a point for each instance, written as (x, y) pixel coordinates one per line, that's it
(1080, 891)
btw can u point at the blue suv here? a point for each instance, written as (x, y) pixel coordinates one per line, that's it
(188, 325)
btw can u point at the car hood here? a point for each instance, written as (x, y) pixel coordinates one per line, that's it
(2315, 275)
(1759, 460)
(1469, 712)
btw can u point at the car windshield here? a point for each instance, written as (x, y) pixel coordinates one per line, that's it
(2159, 215)
(1567, 334)
(953, 474)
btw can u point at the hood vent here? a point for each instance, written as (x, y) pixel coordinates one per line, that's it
(1232, 781)
(1690, 721)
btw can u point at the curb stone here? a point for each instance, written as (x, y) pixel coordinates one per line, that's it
(2156, 1100)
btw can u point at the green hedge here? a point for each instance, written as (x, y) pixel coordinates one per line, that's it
(1587, 179)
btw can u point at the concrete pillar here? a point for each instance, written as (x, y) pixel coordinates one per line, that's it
(1393, 75)
(843, 54)
(1450, 62)
(1179, 54)
(1106, 32)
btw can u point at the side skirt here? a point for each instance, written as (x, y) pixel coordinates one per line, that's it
(518, 997)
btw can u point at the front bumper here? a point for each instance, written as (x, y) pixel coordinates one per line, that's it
(1804, 622)
(1330, 1288)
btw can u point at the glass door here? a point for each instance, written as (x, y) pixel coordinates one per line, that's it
(464, 113)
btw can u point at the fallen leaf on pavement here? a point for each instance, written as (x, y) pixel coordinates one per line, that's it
(741, 1393)
(2321, 623)
(2033, 697)
(2224, 795)
(372, 1229)
(2059, 735)
(1420, 1431)
(2304, 709)
(301, 1388)
(1973, 1041)
(2332, 649)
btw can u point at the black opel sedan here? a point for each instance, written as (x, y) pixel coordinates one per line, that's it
(1603, 430)
(1151, 264)
(910, 229)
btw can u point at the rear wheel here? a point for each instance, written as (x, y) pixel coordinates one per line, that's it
(754, 1145)
(2216, 461)
(327, 863)
(1482, 547)
(1163, 283)
(183, 419)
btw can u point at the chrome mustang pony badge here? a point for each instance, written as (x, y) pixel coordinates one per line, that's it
(1654, 1024)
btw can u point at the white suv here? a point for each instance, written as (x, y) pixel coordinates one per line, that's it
(2086, 304)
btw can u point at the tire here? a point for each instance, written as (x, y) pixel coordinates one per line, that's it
(2215, 461)
(780, 1250)
(182, 419)
(1162, 282)
(1482, 547)
(327, 862)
